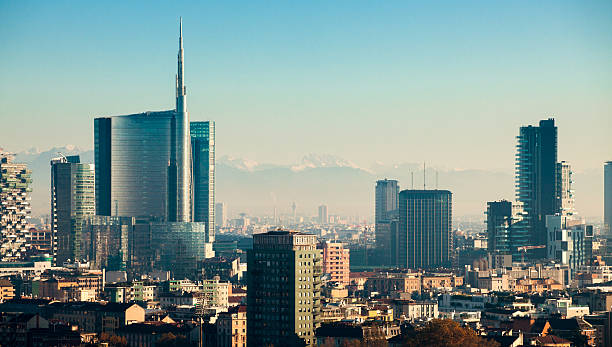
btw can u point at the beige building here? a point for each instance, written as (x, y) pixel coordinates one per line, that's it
(231, 327)
(336, 261)
(7, 291)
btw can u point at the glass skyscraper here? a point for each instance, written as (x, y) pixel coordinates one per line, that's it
(424, 228)
(536, 179)
(72, 201)
(386, 209)
(203, 165)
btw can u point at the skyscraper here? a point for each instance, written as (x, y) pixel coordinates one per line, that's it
(143, 161)
(424, 229)
(565, 193)
(203, 165)
(220, 214)
(536, 177)
(386, 210)
(283, 299)
(323, 217)
(72, 201)
(15, 180)
(608, 197)
(499, 221)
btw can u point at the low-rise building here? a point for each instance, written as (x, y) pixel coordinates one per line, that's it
(231, 327)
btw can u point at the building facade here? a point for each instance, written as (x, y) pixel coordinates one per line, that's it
(15, 181)
(323, 216)
(220, 214)
(536, 178)
(424, 229)
(569, 241)
(106, 241)
(336, 261)
(565, 192)
(608, 198)
(283, 299)
(499, 221)
(72, 202)
(386, 211)
(203, 164)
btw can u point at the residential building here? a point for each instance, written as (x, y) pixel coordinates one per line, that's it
(7, 291)
(499, 221)
(336, 261)
(565, 192)
(424, 231)
(15, 181)
(72, 201)
(536, 178)
(231, 327)
(283, 299)
(413, 310)
(568, 241)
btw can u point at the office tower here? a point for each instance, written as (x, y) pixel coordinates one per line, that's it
(608, 198)
(220, 214)
(323, 217)
(565, 193)
(424, 230)
(386, 209)
(106, 241)
(336, 261)
(499, 221)
(536, 177)
(15, 180)
(143, 161)
(293, 211)
(72, 201)
(203, 165)
(569, 241)
(283, 299)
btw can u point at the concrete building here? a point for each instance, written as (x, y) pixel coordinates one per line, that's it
(15, 181)
(336, 261)
(220, 214)
(565, 192)
(424, 230)
(231, 327)
(569, 241)
(283, 299)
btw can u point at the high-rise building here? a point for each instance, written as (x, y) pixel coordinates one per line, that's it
(565, 193)
(323, 217)
(499, 221)
(15, 180)
(536, 178)
(203, 165)
(106, 241)
(386, 210)
(608, 198)
(336, 261)
(424, 229)
(220, 214)
(283, 299)
(143, 161)
(72, 201)
(569, 241)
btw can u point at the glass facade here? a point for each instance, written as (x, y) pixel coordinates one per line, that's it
(72, 201)
(105, 241)
(203, 168)
(424, 230)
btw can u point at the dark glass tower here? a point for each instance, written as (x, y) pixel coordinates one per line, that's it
(387, 194)
(499, 220)
(203, 166)
(424, 229)
(536, 178)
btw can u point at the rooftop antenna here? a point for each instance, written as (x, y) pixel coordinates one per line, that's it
(436, 179)
(412, 179)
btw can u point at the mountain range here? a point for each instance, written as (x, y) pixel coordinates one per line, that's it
(346, 188)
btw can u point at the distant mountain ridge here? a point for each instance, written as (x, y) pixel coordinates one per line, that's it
(257, 188)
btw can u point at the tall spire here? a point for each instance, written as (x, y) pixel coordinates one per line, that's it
(180, 83)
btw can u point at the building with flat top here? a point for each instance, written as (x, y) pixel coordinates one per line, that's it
(424, 229)
(283, 299)
(203, 164)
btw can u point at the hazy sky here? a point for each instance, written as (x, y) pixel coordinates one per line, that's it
(386, 81)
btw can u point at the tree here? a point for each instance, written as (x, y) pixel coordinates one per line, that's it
(446, 333)
(171, 340)
(113, 340)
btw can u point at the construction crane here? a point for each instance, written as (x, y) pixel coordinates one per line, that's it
(524, 250)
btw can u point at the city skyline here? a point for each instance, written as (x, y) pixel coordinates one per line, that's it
(552, 62)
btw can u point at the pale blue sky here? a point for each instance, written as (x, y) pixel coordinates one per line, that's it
(448, 82)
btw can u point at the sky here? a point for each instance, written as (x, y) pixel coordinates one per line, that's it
(447, 82)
